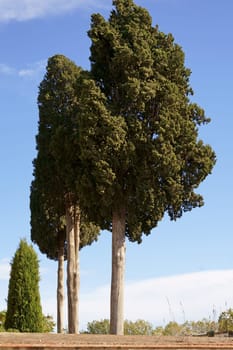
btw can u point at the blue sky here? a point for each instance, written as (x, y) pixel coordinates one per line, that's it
(184, 261)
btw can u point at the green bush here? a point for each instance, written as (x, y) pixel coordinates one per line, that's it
(138, 327)
(2, 320)
(98, 327)
(225, 321)
(48, 324)
(24, 311)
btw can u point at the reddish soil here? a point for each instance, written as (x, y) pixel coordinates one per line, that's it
(84, 341)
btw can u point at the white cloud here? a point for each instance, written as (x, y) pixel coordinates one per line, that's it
(34, 70)
(183, 297)
(4, 269)
(29, 9)
(6, 70)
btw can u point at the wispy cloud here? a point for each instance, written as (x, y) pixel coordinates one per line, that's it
(160, 300)
(6, 70)
(30, 9)
(31, 71)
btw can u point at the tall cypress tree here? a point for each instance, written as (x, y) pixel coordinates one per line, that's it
(24, 311)
(55, 167)
(157, 163)
(55, 205)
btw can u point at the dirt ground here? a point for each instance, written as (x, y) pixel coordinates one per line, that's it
(84, 341)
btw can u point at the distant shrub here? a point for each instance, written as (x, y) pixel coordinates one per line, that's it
(225, 321)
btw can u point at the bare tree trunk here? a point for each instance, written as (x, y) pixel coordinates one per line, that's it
(118, 273)
(60, 286)
(73, 276)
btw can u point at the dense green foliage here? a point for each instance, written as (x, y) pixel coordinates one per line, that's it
(23, 304)
(153, 161)
(56, 215)
(57, 164)
(57, 106)
(47, 201)
(48, 227)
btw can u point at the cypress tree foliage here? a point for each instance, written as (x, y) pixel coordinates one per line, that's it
(55, 203)
(48, 231)
(152, 161)
(53, 167)
(57, 102)
(24, 311)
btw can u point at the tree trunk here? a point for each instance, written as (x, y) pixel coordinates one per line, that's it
(73, 277)
(60, 286)
(118, 273)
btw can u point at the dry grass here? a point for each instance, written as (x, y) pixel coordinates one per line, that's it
(84, 341)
